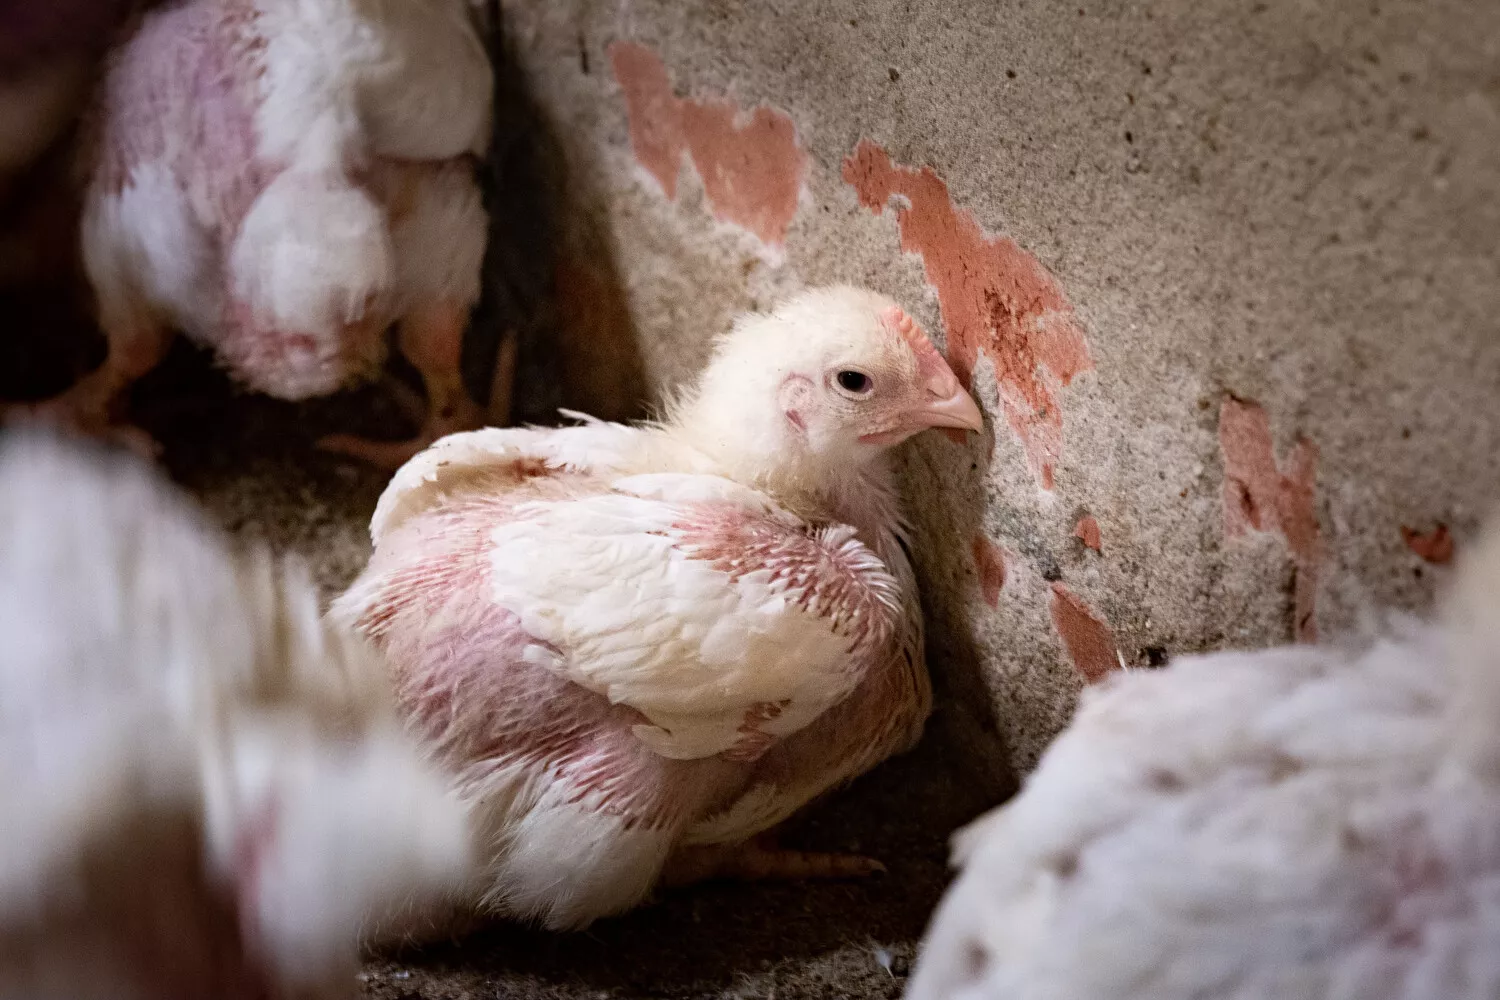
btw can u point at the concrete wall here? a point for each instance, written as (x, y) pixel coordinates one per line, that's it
(1223, 272)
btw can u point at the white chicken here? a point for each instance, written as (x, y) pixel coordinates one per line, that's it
(282, 180)
(205, 790)
(1294, 823)
(636, 648)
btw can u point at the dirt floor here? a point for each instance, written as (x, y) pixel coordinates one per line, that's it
(250, 460)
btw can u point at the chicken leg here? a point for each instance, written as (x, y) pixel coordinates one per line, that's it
(760, 860)
(432, 339)
(93, 404)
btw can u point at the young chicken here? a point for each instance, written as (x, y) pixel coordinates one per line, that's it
(1308, 822)
(635, 648)
(282, 180)
(206, 791)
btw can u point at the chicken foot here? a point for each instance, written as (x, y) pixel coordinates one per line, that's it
(759, 860)
(93, 405)
(432, 339)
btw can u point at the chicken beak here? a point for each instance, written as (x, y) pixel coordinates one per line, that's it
(948, 405)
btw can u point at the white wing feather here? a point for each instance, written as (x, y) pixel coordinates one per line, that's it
(458, 459)
(617, 606)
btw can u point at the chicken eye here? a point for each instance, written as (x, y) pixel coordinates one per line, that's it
(853, 381)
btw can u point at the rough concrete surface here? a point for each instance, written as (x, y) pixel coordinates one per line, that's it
(1224, 273)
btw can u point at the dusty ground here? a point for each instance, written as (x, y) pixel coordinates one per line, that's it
(250, 459)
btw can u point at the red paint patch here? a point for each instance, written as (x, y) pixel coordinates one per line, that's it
(995, 299)
(654, 112)
(989, 562)
(1090, 642)
(1259, 496)
(1435, 546)
(1087, 532)
(752, 168)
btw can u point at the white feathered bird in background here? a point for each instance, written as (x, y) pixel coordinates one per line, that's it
(282, 180)
(635, 648)
(1294, 823)
(205, 789)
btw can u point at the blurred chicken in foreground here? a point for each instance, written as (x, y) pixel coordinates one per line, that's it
(283, 180)
(204, 791)
(1299, 823)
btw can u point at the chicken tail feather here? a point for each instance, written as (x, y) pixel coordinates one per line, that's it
(314, 254)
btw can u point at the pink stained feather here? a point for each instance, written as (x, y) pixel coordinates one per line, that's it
(283, 183)
(465, 685)
(493, 718)
(822, 577)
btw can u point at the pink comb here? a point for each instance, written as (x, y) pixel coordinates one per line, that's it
(929, 362)
(897, 321)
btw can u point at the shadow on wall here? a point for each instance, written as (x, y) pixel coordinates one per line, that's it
(549, 273)
(946, 519)
(49, 337)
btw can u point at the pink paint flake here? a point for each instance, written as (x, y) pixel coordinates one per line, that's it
(1087, 532)
(989, 561)
(996, 299)
(1259, 496)
(751, 167)
(1089, 641)
(1435, 546)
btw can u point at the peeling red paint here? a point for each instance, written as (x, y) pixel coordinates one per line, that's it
(1089, 640)
(996, 299)
(989, 562)
(1259, 496)
(752, 167)
(1435, 546)
(654, 112)
(1087, 532)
